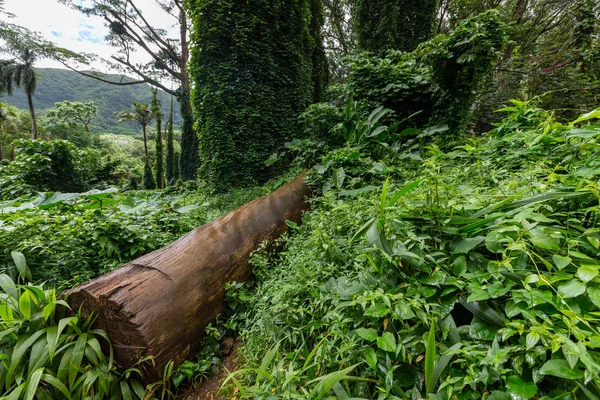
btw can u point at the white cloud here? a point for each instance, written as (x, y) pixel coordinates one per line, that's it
(75, 31)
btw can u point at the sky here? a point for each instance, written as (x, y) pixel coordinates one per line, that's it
(75, 31)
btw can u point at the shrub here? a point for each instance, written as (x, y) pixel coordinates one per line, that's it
(470, 274)
(440, 78)
(56, 165)
(48, 354)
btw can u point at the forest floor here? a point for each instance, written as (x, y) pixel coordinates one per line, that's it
(208, 388)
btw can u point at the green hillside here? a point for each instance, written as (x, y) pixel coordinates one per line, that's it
(60, 84)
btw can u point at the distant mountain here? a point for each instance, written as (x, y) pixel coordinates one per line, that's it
(61, 84)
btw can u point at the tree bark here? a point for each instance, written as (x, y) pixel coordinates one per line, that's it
(34, 129)
(159, 305)
(145, 142)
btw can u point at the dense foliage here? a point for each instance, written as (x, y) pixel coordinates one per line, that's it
(486, 254)
(71, 238)
(402, 25)
(55, 165)
(48, 354)
(248, 97)
(441, 262)
(440, 79)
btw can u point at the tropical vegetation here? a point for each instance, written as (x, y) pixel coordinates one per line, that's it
(451, 249)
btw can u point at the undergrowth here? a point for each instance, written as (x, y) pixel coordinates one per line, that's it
(465, 273)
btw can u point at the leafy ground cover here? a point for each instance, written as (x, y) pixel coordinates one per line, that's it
(466, 273)
(71, 238)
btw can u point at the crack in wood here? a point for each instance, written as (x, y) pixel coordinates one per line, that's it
(154, 268)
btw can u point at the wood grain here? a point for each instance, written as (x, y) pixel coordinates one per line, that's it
(158, 305)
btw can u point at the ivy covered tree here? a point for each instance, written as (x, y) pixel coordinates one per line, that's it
(160, 168)
(320, 69)
(439, 81)
(170, 158)
(393, 24)
(251, 65)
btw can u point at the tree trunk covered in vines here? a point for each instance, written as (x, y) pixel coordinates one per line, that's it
(320, 69)
(252, 68)
(382, 25)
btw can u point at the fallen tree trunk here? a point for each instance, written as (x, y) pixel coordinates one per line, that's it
(158, 305)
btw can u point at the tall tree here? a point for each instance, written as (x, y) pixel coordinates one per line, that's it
(19, 72)
(320, 69)
(393, 24)
(142, 113)
(73, 112)
(170, 159)
(251, 66)
(131, 31)
(160, 168)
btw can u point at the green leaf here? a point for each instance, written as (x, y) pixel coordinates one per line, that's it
(371, 358)
(21, 347)
(25, 305)
(459, 266)
(387, 342)
(327, 382)
(542, 241)
(594, 294)
(21, 264)
(125, 391)
(531, 339)
(587, 392)
(519, 389)
(377, 310)
(137, 388)
(561, 369)
(367, 333)
(430, 356)
(57, 384)
(409, 187)
(467, 244)
(587, 272)
(76, 358)
(560, 261)
(483, 311)
(587, 116)
(571, 289)
(478, 295)
(443, 361)
(9, 287)
(362, 231)
(32, 383)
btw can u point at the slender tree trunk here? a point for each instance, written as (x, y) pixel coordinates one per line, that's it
(145, 142)
(34, 129)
